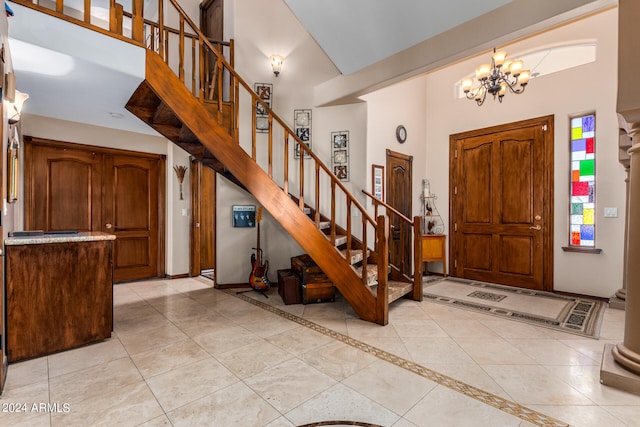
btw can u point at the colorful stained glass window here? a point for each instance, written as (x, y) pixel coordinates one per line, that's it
(583, 181)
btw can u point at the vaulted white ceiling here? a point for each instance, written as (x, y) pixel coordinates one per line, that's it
(358, 33)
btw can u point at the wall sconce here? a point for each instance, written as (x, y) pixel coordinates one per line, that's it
(180, 172)
(276, 63)
(15, 107)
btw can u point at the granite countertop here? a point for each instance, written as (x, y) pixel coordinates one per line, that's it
(90, 236)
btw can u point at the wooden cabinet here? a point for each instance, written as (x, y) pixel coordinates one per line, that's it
(434, 249)
(59, 294)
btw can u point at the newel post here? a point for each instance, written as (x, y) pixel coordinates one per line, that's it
(382, 296)
(417, 259)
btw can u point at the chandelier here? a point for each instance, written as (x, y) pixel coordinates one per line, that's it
(496, 78)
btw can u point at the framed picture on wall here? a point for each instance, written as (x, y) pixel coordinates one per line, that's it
(340, 154)
(302, 127)
(244, 216)
(13, 172)
(265, 93)
(377, 181)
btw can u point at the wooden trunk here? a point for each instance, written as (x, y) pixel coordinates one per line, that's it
(318, 292)
(306, 268)
(289, 287)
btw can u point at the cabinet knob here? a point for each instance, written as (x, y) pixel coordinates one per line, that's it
(108, 225)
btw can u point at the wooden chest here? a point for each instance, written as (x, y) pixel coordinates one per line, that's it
(316, 286)
(289, 287)
(304, 266)
(318, 292)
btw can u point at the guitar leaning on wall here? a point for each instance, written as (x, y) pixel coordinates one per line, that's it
(258, 279)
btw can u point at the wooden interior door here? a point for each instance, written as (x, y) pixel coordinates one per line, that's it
(84, 188)
(211, 25)
(399, 195)
(130, 211)
(212, 18)
(502, 204)
(203, 226)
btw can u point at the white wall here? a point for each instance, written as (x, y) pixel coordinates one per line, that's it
(178, 212)
(401, 104)
(430, 110)
(591, 87)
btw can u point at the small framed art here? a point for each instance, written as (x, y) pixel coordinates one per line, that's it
(244, 216)
(302, 127)
(340, 154)
(377, 181)
(265, 92)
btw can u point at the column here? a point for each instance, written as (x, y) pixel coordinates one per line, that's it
(621, 362)
(618, 299)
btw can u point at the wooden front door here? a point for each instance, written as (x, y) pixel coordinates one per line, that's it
(203, 226)
(83, 188)
(502, 204)
(399, 195)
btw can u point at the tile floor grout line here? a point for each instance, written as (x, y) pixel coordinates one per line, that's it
(483, 396)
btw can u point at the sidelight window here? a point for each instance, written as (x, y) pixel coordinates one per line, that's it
(582, 227)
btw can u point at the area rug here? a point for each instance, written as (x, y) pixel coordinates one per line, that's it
(580, 316)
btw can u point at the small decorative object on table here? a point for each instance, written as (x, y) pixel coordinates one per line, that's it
(431, 220)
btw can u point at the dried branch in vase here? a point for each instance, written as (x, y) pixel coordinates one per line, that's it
(180, 172)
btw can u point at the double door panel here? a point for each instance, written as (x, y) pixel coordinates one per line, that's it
(84, 189)
(501, 207)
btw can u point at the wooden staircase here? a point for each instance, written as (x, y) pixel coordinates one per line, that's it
(194, 100)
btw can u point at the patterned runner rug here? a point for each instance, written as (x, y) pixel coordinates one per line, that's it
(580, 316)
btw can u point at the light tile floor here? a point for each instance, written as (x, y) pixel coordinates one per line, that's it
(185, 354)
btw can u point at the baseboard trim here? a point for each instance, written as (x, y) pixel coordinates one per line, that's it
(177, 276)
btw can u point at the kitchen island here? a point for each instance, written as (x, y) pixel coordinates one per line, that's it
(59, 292)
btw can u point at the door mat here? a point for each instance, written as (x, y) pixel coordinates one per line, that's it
(580, 316)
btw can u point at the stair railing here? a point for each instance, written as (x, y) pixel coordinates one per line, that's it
(309, 166)
(407, 227)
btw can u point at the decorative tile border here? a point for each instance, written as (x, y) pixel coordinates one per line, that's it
(483, 396)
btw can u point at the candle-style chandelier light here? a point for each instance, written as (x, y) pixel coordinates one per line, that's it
(496, 78)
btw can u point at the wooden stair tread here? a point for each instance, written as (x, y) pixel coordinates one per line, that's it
(356, 255)
(372, 273)
(396, 289)
(340, 239)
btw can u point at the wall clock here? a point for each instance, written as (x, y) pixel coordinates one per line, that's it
(401, 134)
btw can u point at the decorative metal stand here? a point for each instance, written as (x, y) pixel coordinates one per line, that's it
(431, 220)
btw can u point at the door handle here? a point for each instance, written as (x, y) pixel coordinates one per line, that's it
(109, 225)
(535, 227)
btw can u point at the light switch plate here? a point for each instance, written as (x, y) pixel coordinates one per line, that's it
(610, 212)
